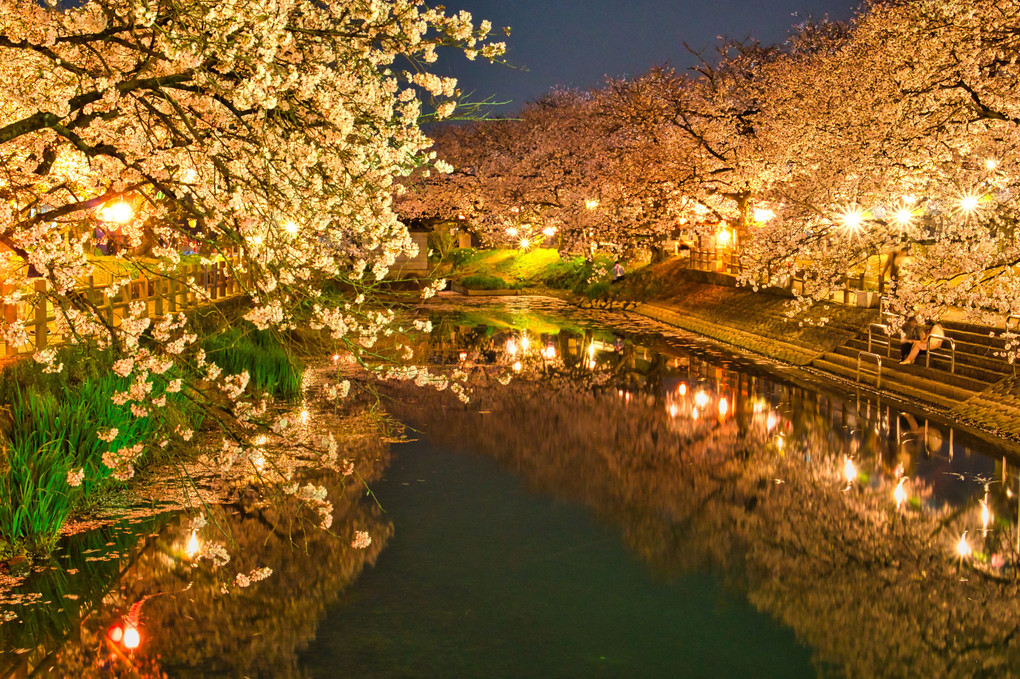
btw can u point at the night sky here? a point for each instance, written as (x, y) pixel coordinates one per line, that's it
(576, 43)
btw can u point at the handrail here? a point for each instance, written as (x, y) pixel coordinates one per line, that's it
(952, 357)
(878, 373)
(1011, 317)
(883, 326)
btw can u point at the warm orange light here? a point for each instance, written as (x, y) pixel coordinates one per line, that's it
(512, 231)
(116, 633)
(969, 202)
(591, 204)
(852, 219)
(120, 212)
(900, 494)
(963, 548)
(724, 406)
(192, 547)
(762, 215)
(903, 216)
(132, 638)
(849, 470)
(549, 231)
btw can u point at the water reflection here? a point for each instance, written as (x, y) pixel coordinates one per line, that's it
(157, 597)
(886, 539)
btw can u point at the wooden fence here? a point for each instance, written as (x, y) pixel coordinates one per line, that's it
(193, 285)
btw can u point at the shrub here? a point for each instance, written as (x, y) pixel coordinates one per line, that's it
(483, 282)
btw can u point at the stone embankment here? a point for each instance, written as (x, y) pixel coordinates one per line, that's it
(968, 378)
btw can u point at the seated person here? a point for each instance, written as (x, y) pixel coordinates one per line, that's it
(910, 332)
(930, 341)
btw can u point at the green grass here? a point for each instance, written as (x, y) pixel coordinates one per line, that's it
(271, 368)
(483, 282)
(50, 428)
(49, 425)
(538, 267)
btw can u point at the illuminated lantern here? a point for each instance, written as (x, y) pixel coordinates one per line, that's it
(132, 638)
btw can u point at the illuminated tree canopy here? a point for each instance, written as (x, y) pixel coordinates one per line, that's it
(845, 143)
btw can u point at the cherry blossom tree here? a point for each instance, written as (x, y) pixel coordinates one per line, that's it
(268, 132)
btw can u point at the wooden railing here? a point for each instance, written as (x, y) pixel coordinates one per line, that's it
(192, 285)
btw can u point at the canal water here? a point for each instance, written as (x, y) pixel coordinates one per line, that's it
(634, 502)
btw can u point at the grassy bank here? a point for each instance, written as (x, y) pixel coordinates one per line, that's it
(49, 425)
(519, 269)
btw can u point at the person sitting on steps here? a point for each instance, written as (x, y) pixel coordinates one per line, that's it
(910, 332)
(930, 341)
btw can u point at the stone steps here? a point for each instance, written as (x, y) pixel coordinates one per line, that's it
(977, 368)
(930, 387)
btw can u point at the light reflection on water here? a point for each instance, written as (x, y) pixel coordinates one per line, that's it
(724, 477)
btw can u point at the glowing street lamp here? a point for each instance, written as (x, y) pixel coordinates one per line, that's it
(591, 204)
(852, 219)
(512, 232)
(291, 228)
(120, 212)
(701, 399)
(763, 214)
(525, 243)
(991, 163)
(968, 203)
(902, 216)
(723, 237)
(549, 231)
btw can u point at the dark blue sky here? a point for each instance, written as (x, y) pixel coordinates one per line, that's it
(577, 43)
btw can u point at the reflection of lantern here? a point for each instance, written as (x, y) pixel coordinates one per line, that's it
(963, 547)
(192, 547)
(131, 638)
(724, 407)
(900, 494)
(683, 389)
(701, 398)
(850, 470)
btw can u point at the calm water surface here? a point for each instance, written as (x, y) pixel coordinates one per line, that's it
(635, 503)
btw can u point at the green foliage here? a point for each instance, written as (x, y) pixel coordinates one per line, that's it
(271, 368)
(483, 282)
(460, 256)
(50, 428)
(597, 290)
